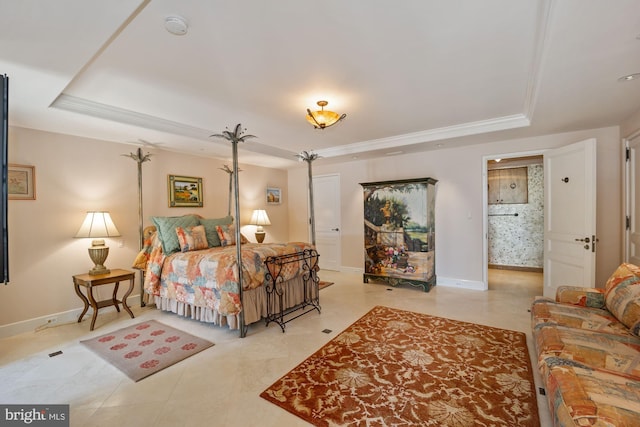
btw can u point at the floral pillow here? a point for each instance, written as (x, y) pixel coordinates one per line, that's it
(210, 228)
(192, 238)
(622, 296)
(166, 226)
(227, 235)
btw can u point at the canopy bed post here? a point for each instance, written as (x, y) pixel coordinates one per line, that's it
(140, 159)
(309, 157)
(235, 137)
(230, 172)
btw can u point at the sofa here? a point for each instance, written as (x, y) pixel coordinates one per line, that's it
(588, 351)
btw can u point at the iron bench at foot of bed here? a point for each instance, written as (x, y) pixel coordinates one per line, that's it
(276, 311)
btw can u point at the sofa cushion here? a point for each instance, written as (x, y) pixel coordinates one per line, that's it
(211, 231)
(192, 238)
(584, 397)
(546, 311)
(166, 228)
(617, 354)
(622, 296)
(576, 295)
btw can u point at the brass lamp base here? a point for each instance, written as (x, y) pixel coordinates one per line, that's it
(98, 270)
(260, 236)
(98, 253)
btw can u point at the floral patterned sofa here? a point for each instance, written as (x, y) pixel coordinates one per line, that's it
(588, 349)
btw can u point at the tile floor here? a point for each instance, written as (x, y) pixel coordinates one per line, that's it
(221, 385)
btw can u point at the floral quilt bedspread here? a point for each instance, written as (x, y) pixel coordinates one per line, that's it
(208, 278)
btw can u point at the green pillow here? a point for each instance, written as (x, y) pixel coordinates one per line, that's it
(211, 231)
(166, 227)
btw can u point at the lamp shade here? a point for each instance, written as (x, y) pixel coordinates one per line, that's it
(260, 217)
(98, 224)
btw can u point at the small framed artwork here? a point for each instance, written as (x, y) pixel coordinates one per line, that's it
(21, 182)
(185, 191)
(274, 196)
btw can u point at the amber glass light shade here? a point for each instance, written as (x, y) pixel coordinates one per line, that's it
(323, 118)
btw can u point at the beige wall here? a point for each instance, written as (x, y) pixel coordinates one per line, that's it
(459, 204)
(630, 125)
(74, 175)
(77, 174)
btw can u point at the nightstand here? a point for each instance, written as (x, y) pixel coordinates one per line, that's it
(88, 281)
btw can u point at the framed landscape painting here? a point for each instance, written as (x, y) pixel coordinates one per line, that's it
(21, 182)
(274, 196)
(185, 191)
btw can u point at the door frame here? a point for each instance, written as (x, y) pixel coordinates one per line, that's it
(627, 196)
(485, 206)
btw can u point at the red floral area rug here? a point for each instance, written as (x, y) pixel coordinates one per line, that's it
(146, 348)
(399, 368)
(324, 284)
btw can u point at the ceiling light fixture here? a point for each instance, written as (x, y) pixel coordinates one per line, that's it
(629, 77)
(176, 25)
(323, 118)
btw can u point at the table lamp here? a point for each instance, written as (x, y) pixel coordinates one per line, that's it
(260, 218)
(98, 224)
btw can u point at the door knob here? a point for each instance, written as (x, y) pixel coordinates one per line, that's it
(335, 229)
(586, 240)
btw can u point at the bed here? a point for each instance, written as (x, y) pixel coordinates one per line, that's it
(190, 269)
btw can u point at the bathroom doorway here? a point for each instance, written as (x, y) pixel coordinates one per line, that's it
(515, 223)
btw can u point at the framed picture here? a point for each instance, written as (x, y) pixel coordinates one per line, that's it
(21, 182)
(185, 191)
(274, 196)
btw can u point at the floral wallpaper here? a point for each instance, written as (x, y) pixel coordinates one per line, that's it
(518, 240)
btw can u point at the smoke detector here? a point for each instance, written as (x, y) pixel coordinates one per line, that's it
(176, 25)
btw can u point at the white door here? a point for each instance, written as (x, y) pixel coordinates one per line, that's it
(326, 200)
(569, 216)
(632, 201)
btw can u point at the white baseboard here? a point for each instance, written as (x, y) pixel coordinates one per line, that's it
(344, 269)
(449, 282)
(71, 316)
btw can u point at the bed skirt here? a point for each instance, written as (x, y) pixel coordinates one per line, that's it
(254, 305)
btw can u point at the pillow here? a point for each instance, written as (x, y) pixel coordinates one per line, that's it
(622, 274)
(166, 226)
(622, 293)
(192, 238)
(227, 235)
(211, 231)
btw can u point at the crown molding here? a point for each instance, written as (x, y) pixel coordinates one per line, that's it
(395, 142)
(129, 117)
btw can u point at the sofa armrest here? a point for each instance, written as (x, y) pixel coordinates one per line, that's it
(585, 297)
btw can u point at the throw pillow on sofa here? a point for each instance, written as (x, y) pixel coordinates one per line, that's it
(622, 296)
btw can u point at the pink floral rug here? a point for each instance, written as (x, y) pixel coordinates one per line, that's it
(324, 284)
(399, 368)
(146, 348)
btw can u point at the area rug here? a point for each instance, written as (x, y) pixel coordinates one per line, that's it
(146, 348)
(324, 284)
(399, 368)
